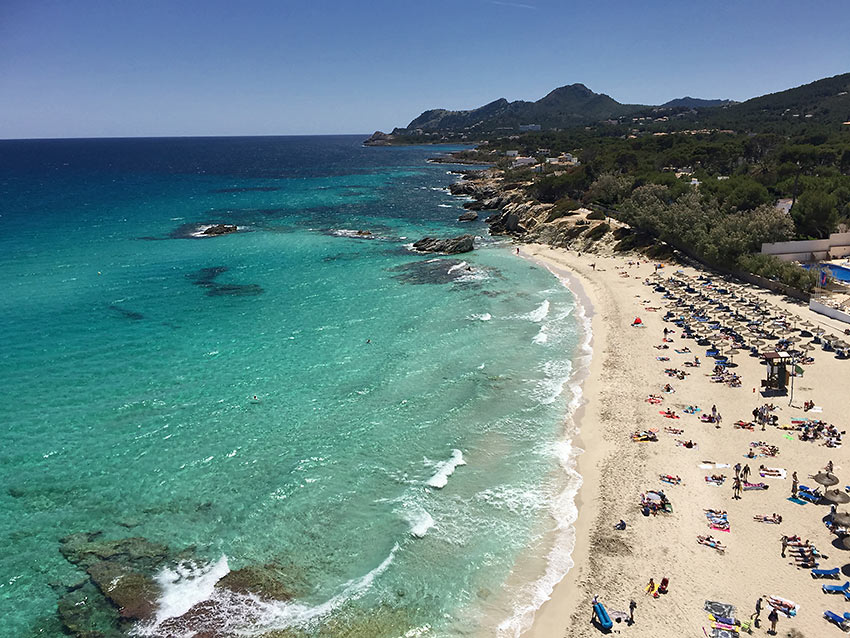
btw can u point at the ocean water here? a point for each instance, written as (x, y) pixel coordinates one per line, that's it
(405, 451)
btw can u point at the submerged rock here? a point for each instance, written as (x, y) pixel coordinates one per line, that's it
(265, 581)
(87, 549)
(134, 594)
(451, 246)
(206, 278)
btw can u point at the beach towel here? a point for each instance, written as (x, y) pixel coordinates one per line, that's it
(779, 604)
(755, 486)
(719, 609)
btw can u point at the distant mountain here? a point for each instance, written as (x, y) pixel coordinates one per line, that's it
(565, 106)
(825, 101)
(695, 103)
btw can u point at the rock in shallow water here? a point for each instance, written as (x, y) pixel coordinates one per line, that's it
(468, 217)
(451, 246)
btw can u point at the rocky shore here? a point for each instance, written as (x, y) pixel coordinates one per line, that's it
(515, 213)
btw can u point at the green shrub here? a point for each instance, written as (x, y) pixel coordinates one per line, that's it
(597, 214)
(597, 232)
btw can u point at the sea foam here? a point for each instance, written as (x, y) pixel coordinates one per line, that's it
(538, 314)
(446, 469)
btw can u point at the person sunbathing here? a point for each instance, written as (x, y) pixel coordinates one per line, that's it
(670, 414)
(668, 388)
(717, 478)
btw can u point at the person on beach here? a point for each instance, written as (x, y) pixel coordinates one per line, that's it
(794, 484)
(714, 411)
(632, 607)
(736, 488)
(737, 469)
(745, 473)
(517, 250)
(650, 588)
(773, 618)
(621, 525)
(784, 545)
(755, 616)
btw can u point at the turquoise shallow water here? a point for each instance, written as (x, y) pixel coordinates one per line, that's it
(132, 360)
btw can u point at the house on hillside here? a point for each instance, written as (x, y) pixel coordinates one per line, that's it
(523, 161)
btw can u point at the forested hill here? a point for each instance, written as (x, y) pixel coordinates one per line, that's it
(825, 101)
(696, 103)
(570, 105)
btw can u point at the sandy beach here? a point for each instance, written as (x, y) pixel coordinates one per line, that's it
(617, 565)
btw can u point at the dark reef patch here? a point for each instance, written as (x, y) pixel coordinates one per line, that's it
(125, 313)
(247, 189)
(431, 271)
(329, 259)
(206, 278)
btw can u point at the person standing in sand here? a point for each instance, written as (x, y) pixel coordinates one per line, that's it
(784, 545)
(773, 618)
(755, 616)
(736, 488)
(632, 607)
(794, 484)
(745, 473)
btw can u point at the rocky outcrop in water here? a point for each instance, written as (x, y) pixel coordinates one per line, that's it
(219, 229)
(451, 246)
(120, 590)
(468, 217)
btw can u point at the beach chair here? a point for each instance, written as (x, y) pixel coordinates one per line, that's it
(808, 496)
(826, 573)
(840, 621)
(836, 589)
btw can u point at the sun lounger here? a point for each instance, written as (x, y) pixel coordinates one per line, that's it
(826, 573)
(836, 589)
(840, 621)
(808, 496)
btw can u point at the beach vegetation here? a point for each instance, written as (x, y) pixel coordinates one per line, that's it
(597, 232)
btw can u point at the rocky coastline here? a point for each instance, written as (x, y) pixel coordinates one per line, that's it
(514, 213)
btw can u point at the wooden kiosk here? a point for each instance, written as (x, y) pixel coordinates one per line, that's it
(778, 372)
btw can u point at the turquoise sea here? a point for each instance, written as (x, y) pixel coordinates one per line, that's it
(386, 428)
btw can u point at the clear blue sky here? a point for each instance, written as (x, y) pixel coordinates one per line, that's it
(241, 67)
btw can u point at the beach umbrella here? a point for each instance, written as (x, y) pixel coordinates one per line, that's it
(826, 479)
(841, 518)
(845, 542)
(837, 496)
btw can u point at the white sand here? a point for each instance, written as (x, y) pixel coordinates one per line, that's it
(616, 565)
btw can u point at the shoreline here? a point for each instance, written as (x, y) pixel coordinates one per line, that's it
(553, 614)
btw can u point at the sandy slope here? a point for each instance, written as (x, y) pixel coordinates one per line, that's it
(615, 565)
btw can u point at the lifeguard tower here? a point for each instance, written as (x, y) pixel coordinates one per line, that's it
(778, 372)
